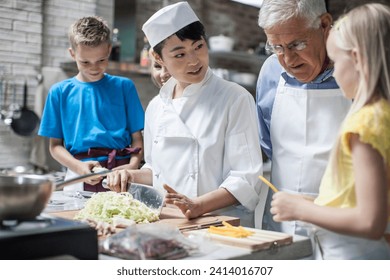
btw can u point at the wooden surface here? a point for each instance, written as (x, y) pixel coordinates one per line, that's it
(260, 240)
(174, 216)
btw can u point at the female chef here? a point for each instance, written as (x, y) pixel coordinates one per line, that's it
(201, 132)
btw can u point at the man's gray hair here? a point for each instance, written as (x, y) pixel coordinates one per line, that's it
(274, 12)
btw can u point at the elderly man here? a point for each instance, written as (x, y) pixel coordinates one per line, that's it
(299, 104)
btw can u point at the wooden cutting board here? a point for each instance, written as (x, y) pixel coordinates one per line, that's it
(260, 240)
(174, 217)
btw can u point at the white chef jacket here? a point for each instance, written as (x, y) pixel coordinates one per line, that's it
(204, 140)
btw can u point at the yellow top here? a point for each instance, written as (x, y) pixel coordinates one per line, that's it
(372, 124)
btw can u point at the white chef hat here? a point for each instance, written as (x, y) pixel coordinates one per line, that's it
(168, 21)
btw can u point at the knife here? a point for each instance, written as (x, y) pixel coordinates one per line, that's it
(150, 196)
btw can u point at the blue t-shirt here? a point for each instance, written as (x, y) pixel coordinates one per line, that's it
(270, 73)
(101, 114)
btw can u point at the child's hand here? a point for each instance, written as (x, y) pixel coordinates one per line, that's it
(85, 167)
(286, 207)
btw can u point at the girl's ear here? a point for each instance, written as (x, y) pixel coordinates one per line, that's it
(356, 58)
(157, 57)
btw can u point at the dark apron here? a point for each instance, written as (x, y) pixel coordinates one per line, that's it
(110, 163)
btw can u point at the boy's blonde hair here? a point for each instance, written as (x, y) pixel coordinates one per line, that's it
(366, 29)
(89, 31)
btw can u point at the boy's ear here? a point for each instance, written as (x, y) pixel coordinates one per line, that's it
(71, 52)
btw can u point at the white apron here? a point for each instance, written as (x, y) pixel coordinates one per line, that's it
(74, 187)
(304, 127)
(329, 245)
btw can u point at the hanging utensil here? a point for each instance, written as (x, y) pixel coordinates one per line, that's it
(14, 108)
(1, 98)
(28, 122)
(6, 114)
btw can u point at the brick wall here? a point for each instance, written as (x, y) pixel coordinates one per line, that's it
(33, 34)
(20, 37)
(58, 16)
(20, 57)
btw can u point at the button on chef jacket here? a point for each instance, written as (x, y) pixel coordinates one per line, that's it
(205, 140)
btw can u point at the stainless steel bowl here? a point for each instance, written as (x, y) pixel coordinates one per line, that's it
(23, 196)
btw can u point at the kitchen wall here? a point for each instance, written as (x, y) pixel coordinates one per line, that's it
(219, 17)
(33, 33)
(338, 7)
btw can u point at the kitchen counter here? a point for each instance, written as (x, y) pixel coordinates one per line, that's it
(65, 206)
(300, 248)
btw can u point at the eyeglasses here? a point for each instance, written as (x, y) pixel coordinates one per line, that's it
(279, 49)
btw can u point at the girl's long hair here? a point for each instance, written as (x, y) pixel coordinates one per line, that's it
(367, 29)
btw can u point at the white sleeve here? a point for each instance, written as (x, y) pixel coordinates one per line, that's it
(243, 161)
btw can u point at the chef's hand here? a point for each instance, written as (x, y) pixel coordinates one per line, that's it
(288, 207)
(117, 181)
(188, 207)
(85, 167)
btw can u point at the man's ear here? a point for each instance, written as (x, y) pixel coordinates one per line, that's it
(326, 20)
(326, 23)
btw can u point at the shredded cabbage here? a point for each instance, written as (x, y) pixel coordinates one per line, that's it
(105, 206)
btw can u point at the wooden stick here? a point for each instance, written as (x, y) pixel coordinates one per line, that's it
(268, 183)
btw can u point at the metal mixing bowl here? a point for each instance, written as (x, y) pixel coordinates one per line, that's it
(23, 196)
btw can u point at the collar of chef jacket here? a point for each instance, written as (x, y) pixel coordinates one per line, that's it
(166, 90)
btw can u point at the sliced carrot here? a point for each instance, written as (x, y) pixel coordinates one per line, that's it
(229, 230)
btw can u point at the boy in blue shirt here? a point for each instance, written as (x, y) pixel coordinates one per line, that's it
(93, 119)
